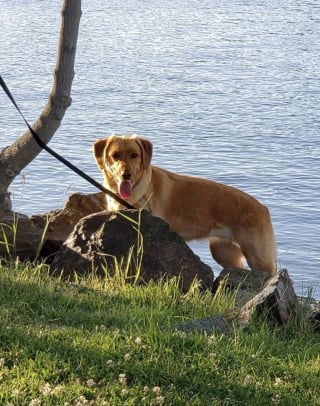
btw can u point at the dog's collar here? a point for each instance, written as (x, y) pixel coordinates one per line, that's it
(144, 202)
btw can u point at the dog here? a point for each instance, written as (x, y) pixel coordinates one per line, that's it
(237, 225)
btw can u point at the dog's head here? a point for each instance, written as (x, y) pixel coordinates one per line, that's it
(123, 161)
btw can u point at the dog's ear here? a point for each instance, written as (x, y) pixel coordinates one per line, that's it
(98, 151)
(146, 147)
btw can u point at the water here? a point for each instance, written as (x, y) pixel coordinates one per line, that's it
(225, 90)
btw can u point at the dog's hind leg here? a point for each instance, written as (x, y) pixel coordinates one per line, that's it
(226, 253)
(260, 253)
(262, 263)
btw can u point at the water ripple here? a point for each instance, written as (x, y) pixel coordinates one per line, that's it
(225, 90)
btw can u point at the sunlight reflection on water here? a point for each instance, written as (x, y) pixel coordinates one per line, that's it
(225, 90)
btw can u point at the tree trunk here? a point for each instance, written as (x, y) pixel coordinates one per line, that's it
(18, 155)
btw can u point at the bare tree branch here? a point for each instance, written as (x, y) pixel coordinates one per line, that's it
(18, 155)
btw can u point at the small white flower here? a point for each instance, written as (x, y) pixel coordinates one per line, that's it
(127, 357)
(278, 381)
(2, 361)
(156, 391)
(276, 399)
(159, 400)
(122, 379)
(124, 392)
(91, 382)
(82, 400)
(35, 402)
(46, 389)
(247, 380)
(138, 341)
(57, 390)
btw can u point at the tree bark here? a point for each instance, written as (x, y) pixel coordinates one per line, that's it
(18, 155)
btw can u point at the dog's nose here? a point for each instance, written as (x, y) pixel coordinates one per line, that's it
(126, 175)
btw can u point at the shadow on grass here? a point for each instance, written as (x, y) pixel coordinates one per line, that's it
(56, 332)
(49, 302)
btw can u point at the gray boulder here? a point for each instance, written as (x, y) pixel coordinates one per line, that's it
(217, 324)
(127, 241)
(256, 293)
(244, 283)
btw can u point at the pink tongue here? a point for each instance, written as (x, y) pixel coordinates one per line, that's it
(125, 189)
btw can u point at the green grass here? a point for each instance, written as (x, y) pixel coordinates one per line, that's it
(102, 342)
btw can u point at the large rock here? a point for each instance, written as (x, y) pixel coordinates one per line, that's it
(20, 237)
(244, 283)
(256, 293)
(123, 242)
(277, 301)
(59, 223)
(41, 235)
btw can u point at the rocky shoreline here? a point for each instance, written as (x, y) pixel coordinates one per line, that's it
(83, 237)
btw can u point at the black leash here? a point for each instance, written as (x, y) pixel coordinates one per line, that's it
(59, 157)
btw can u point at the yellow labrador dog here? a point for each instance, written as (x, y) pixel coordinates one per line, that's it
(236, 224)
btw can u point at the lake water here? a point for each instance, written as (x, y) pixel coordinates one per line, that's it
(227, 90)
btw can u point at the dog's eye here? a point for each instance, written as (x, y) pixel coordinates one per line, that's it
(134, 155)
(116, 156)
